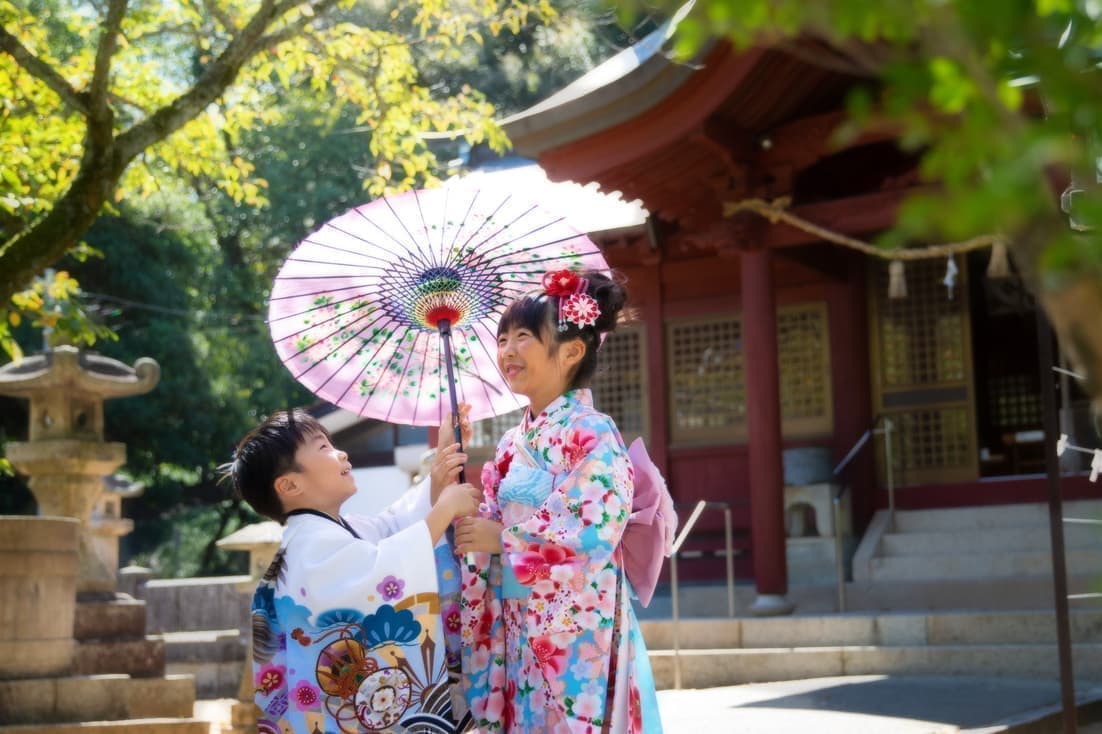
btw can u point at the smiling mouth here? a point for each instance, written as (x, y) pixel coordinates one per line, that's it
(512, 371)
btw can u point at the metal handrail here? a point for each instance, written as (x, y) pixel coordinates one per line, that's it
(836, 499)
(687, 528)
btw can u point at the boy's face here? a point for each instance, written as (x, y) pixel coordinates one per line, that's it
(323, 479)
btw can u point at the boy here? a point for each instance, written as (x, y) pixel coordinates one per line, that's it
(347, 632)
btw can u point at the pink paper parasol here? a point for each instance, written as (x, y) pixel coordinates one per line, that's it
(393, 306)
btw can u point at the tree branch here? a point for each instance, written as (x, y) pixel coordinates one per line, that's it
(216, 78)
(221, 17)
(108, 44)
(297, 27)
(42, 71)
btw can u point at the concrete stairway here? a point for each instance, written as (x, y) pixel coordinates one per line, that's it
(1006, 542)
(717, 652)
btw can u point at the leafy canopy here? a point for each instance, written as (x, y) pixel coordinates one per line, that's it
(104, 102)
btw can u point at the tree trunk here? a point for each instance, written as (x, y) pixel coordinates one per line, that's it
(1075, 311)
(1073, 303)
(48, 238)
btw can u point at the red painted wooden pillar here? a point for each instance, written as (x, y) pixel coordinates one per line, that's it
(763, 423)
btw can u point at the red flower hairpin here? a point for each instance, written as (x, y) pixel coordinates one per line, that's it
(562, 283)
(575, 305)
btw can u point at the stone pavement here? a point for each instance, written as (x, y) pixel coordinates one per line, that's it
(869, 704)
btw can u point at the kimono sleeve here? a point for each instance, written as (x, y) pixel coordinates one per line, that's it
(329, 569)
(411, 507)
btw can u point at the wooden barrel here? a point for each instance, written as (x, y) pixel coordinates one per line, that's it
(38, 576)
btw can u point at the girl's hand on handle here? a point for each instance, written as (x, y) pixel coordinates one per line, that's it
(477, 534)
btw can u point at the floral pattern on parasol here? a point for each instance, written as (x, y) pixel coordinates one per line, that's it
(366, 310)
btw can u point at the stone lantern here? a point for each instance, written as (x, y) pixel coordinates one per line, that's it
(65, 456)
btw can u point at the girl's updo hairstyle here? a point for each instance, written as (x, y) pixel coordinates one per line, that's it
(539, 313)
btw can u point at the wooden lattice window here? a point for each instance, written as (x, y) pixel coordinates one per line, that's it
(708, 383)
(803, 347)
(706, 380)
(922, 374)
(922, 336)
(1014, 402)
(928, 440)
(620, 383)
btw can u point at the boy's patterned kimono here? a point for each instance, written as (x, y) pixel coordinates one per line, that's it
(550, 640)
(348, 634)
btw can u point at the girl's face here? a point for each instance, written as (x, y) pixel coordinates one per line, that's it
(530, 368)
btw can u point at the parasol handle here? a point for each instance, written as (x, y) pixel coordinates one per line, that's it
(445, 327)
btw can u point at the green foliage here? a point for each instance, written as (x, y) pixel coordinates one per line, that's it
(54, 304)
(189, 530)
(518, 69)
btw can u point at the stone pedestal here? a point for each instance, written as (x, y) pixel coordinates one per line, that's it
(811, 529)
(66, 478)
(67, 666)
(38, 574)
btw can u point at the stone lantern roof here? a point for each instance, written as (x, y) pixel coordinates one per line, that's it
(67, 387)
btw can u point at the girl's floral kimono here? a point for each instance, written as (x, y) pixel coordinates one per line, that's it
(550, 640)
(349, 632)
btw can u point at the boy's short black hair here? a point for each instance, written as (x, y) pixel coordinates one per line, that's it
(267, 452)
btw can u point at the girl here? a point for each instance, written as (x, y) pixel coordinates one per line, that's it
(550, 641)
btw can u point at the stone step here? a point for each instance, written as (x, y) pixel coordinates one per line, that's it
(95, 698)
(997, 516)
(923, 596)
(143, 658)
(212, 680)
(981, 565)
(992, 540)
(133, 726)
(896, 629)
(226, 645)
(122, 617)
(211, 603)
(724, 667)
(215, 658)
